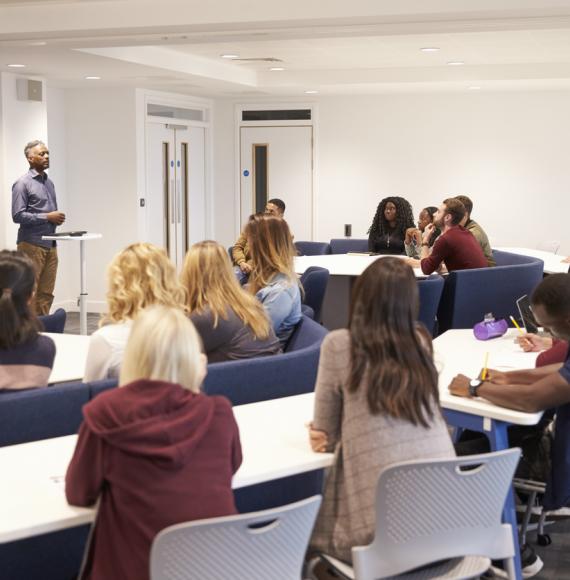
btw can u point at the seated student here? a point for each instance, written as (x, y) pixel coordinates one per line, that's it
(388, 230)
(273, 279)
(533, 390)
(413, 240)
(154, 451)
(137, 277)
(473, 227)
(455, 248)
(240, 252)
(26, 357)
(373, 411)
(231, 322)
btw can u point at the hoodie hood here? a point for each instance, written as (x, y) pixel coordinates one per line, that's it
(154, 419)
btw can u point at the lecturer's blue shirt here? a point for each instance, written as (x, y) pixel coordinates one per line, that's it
(33, 197)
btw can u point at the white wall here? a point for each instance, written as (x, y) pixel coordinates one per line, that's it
(508, 151)
(57, 143)
(225, 208)
(20, 122)
(101, 179)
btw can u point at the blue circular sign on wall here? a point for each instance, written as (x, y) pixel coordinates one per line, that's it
(246, 172)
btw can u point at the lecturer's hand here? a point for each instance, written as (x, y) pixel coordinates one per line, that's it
(55, 217)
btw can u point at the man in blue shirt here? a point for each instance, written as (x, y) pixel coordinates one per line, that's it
(34, 207)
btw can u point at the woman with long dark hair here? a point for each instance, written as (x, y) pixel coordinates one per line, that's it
(26, 357)
(388, 230)
(376, 402)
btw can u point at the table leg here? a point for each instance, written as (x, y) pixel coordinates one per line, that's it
(83, 290)
(499, 439)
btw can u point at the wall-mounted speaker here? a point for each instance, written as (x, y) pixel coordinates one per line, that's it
(29, 90)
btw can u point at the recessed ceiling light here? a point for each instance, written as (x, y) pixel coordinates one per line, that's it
(311, 92)
(474, 88)
(230, 56)
(16, 65)
(92, 78)
(455, 63)
(277, 68)
(430, 49)
(37, 43)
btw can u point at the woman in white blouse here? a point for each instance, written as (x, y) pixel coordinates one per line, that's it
(139, 276)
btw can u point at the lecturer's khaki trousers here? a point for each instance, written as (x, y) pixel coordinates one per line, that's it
(45, 264)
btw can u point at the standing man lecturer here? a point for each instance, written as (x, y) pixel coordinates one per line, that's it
(34, 207)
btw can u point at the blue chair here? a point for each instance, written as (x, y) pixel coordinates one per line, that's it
(313, 248)
(345, 245)
(54, 322)
(315, 281)
(271, 377)
(430, 290)
(469, 294)
(34, 414)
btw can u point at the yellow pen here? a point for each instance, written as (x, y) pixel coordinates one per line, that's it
(516, 325)
(485, 364)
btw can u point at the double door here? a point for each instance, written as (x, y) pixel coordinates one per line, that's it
(176, 207)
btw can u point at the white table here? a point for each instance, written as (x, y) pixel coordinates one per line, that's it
(82, 273)
(458, 351)
(344, 269)
(553, 263)
(70, 356)
(274, 442)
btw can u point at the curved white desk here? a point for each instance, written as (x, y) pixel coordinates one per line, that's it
(273, 435)
(553, 263)
(344, 269)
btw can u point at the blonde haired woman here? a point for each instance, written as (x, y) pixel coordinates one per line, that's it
(232, 323)
(139, 276)
(155, 451)
(273, 279)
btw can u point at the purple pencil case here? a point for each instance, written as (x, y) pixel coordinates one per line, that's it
(490, 328)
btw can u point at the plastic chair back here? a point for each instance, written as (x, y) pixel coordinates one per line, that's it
(255, 546)
(313, 248)
(315, 281)
(427, 511)
(54, 322)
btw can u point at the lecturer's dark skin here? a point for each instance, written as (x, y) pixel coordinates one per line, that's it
(530, 390)
(38, 158)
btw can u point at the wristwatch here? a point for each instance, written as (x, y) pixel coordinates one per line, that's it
(474, 384)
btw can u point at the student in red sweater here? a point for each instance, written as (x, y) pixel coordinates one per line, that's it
(155, 451)
(455, 249)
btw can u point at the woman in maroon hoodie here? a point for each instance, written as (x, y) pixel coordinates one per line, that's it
(155, 451)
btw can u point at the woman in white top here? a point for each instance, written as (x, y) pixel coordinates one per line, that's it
(139, 276)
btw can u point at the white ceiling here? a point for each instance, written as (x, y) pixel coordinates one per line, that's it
(332, 46)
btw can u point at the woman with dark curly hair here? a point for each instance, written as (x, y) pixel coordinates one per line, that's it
(388, 230)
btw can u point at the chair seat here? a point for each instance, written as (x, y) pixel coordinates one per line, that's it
(468, 567)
